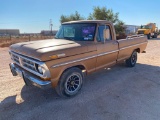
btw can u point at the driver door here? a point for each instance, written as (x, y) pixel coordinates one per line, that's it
(107, 48)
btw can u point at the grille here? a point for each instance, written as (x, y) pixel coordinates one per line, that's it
(28, 64)
(24, 62)
(140, 32)
(15, 58)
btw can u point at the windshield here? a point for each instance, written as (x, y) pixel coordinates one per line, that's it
(145, 27)
(77, 32)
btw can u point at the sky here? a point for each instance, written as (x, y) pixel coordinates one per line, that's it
(32, 16)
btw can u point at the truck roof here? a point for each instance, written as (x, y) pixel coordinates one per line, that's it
(88, 21)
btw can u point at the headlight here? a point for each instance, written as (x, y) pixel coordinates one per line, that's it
(40, 69)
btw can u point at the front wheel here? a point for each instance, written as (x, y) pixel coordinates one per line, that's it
(70, 82)
(131, 62)
(149, 36)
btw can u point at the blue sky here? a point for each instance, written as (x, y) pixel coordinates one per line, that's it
(34, 15)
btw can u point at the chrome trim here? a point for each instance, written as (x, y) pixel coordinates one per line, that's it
(131, 37)
(132, 46)
(45, 75)
(32, 79)
(84, 58)
(135, 36)
(38, 62)
(73, 61)
(39, 82)
(61, 55)
(107, 53)
(12, 68)
(26, 56)
(58, 65)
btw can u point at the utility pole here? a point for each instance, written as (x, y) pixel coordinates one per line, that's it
(50, 24)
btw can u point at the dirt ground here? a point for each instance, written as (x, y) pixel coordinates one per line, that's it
(120, 93)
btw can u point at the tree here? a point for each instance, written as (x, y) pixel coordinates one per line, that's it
(98, 14)
(72, 17)
(119, 27)
(107, 14)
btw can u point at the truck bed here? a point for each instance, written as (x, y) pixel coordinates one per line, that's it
(126, 46)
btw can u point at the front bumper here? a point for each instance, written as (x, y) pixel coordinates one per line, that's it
(28, 78)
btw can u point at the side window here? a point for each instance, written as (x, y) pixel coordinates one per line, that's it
(103, 31)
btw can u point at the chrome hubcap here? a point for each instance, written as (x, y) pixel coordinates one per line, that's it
(73, 83)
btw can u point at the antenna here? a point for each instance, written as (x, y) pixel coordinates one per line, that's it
(50, 24)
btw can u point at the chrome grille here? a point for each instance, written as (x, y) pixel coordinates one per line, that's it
(29, 64)
(23, 62)
(141, 32)
(15, 58)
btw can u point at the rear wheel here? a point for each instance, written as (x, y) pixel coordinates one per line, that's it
(70, 82)
(155, 35)
(131, 62)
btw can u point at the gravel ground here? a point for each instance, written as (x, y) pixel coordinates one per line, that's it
(119, 93)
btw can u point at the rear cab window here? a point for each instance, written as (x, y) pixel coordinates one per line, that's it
(103, 29)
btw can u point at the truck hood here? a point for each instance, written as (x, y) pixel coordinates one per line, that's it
(142, 29)
(43, 49)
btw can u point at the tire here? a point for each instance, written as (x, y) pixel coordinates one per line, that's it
(70, 82)
(149, 36)
(155, 36)
(131, 62)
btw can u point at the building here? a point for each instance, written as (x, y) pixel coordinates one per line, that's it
(9, 32)
(29, 34)
(48, 32)
(131, 29)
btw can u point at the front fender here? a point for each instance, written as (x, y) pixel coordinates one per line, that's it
(146, 32)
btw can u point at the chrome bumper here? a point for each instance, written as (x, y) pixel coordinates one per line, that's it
(28, 79)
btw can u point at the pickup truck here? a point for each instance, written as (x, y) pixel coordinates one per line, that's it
(78, 49)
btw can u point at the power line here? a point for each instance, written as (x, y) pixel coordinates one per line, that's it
(51, 25)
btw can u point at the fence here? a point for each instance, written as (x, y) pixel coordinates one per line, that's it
(7, 40)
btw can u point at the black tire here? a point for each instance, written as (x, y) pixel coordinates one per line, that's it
(155, 36)
(149, 36)
(131, 62)
(70, 82)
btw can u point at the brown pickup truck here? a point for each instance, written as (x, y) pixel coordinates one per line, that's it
(78, 49)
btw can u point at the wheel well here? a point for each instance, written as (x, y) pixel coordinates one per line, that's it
(138, 50)
(81, 67)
